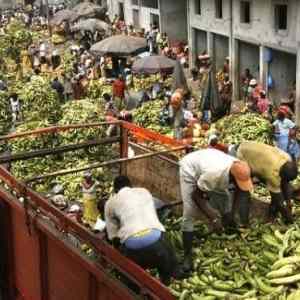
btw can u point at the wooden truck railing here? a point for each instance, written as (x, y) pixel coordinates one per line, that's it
(40, 262)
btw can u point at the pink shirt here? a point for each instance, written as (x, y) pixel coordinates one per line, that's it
(263, 105)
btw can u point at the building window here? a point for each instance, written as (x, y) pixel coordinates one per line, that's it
(136, 18)
(219, 9)
(150, 3)
(245, 11)
(281, 11)
(197, 7)
(135, 2)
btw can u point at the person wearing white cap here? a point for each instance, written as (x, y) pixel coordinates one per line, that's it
(89, 188)
(57, 196)
(205, 178)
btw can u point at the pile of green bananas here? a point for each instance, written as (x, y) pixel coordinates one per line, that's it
(68, 59)
(5, 112)
(15, 38)
(258, 264)
(80, 112)
(97, 88)
(244, 127)
(147, 116)
(144, 82)
(40, 101)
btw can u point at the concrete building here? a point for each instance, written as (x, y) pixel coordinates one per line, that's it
(5, 4)
(169, 15)
(260, 35)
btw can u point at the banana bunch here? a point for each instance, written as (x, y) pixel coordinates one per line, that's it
(146, 82)
(40, 101)
(5, 113)
(97, 88)
(79, 112)
(147, 116)
(67, 62)
(259, 264)
(244, 127)
(58, 38)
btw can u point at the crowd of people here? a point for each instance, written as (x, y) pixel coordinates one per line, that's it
(214, 181)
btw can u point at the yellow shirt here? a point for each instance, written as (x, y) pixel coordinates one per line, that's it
(265, 162)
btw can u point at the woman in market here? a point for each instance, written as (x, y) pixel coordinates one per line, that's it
(90, 206)
(282, 127)
(176, 114)
(205, 178)
(277, 169)
(131, 219)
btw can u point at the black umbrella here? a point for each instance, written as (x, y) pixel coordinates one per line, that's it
(89, 10)
(91, 25)
(62, 15)
(120, 45)
(154, 64)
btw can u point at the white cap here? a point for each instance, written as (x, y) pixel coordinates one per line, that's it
(57, 189)
(87, 173)
(253, 82)
(74, 208)
(211, 138)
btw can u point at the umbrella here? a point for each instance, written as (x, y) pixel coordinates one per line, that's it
(154, 64)
(62, 15)
(120, 45)
(91, 25)
(88, 10)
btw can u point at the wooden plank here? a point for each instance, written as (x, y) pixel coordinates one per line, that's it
(56, 129)
(57, 150)
(99, 165)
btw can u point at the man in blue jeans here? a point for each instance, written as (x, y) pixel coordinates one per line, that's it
(131, 217)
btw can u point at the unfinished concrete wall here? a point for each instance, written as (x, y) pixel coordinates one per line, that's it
(5, 4)
(221, 44)
(283, 71)
(262, 26)
(249, 58)
(200, 41)
(174, 19)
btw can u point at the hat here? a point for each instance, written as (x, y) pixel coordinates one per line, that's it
(263, 93)
(57, 189)
(87, 173)
(253, 82)
(240, 170)
(74, 208)
(204, 56)
(211, 138)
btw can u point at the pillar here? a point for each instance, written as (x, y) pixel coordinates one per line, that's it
(263, 68)
(297, 104)
(191, 37)
(192, 46)
(211, 48)
(235, 68)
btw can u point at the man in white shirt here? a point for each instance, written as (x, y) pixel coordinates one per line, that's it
(131, 217)
(205, 177)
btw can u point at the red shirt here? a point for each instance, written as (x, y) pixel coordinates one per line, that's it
(119, 88)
